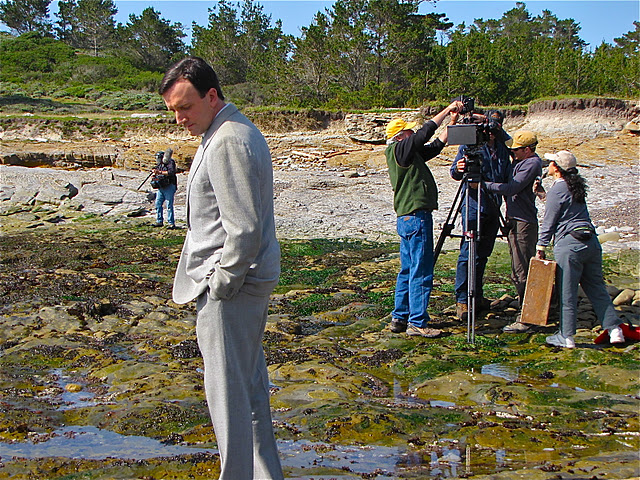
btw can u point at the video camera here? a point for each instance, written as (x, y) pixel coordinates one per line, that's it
(473, 131)
(468, 104)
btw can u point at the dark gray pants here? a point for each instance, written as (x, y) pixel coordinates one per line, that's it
(581, 263)
(522, 246)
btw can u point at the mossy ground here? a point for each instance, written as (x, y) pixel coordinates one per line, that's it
(89, 300)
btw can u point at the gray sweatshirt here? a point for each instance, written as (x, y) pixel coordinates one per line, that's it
(562, 214)
(518, 192)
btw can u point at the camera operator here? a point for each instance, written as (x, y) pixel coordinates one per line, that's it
(494, 167)
(522, 214)
(415, 196)
(166, 170)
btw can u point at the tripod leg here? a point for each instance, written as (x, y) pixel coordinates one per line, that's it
(472, 235)
(447, 228)
(469, 237)
(471, 294)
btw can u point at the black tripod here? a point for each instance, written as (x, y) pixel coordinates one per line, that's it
(471, 233)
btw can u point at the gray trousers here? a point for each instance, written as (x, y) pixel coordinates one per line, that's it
(237, 386)
(522, 246)
(581, 263)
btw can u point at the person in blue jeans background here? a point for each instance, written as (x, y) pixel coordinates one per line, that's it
(415, 196)
(495, 167)
(166, 192)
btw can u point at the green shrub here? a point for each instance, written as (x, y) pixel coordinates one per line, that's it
(31, 52)
(75, 91)
(142, 80)
(11, 88)
(129, 101)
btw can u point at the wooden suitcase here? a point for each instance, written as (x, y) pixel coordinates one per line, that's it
(537, 295)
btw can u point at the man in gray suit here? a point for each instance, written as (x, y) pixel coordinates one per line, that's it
(230, 264)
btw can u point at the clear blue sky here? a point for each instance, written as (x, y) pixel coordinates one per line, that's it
(600, 20)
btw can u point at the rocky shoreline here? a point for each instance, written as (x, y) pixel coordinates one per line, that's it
(101, 377)
(316, 196)
(100, 374)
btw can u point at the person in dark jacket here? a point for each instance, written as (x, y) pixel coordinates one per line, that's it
(495, 167)
(415, 196)
(522, 214)
(576, 249)
(166, 170)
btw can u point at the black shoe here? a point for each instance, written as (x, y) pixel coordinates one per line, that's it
(483, 304)
(171, 227)
(157, 225)
(398, 326)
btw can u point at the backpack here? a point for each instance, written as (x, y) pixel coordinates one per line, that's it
(160, 181)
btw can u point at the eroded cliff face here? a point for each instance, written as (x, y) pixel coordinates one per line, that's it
(131, 143)
(584, 118)
(125, 142)
(594, 107)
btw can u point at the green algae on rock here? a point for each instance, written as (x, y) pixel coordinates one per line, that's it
(75, 308)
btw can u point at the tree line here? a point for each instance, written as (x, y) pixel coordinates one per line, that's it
(358, 54)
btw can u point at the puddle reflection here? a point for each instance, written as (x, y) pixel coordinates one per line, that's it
(499, 370)
(441, 404)
(91, 443)
(72, 399)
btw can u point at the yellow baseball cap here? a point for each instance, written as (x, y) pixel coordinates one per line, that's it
(396, 125)
(523, 138)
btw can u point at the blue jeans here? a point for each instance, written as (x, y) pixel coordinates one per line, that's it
(484, 246)
(166, 193)
(415, 279)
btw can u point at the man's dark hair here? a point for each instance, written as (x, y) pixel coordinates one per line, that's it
(496, 115)
(197, 71)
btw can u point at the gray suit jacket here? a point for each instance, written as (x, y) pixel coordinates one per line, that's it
(231, 241)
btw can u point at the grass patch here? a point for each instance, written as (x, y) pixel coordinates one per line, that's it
(317, 246)
(305, 278)
(383, 299)
(314, 303)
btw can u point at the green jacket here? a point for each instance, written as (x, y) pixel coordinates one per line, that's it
(414, 187)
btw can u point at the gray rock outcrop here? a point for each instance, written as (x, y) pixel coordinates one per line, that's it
(99, 191)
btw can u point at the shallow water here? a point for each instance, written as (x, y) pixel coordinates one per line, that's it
(89, 442)
(71, 400)
(499, 370)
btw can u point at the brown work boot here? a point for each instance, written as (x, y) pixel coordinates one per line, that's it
(398, 326)
(461, 311)
(427, 332)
